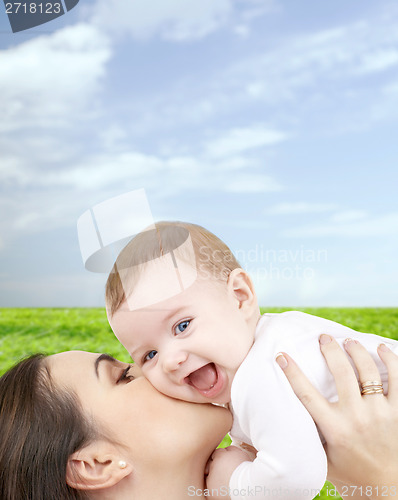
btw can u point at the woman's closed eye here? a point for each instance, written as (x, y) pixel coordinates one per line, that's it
(181, 326)
(124, 376)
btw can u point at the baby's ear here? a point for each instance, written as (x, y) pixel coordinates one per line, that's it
(96, 466)
(241, 287)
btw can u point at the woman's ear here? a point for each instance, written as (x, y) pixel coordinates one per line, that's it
(241, 287)
(99, 465)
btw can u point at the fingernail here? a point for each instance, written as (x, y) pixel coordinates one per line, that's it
(347, 341)
(325, 339)
(281, 360)
(384, 348)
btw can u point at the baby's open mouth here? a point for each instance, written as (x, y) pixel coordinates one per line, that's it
(206, 380)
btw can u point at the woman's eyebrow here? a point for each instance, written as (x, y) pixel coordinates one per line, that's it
(103, 357)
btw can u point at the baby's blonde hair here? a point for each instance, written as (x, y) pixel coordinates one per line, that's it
(214, 260)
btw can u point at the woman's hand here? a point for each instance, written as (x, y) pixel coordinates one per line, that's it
(361, 432)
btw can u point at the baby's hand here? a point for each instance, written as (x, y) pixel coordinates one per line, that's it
(221, 466)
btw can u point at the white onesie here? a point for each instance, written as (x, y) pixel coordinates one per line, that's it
(291, 462)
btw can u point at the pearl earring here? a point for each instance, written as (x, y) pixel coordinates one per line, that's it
(122, 464)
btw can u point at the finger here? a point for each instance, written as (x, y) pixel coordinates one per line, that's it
(366, 367)
(341, 369)
(313, 401)
(391, 361)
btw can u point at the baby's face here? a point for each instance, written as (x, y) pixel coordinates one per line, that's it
(188, 346)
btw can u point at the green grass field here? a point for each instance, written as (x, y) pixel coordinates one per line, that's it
(25, 331)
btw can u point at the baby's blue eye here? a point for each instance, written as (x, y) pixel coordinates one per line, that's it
(150, 355)
(181, 327)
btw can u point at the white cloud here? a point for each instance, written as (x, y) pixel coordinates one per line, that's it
(310, 83)
(176, 20)
(257, 8)
(239, 140)
(51, 78)
(348, 216)
(169, 19)
(99, 172)
(234, 163)
(41, 200)
(242, 30)
(90, 173)
(322, 74)
(383, 225)
(107, 170)
(378, 60)
(299, 208)
(252, 183)
(114, 137)
(29, 213)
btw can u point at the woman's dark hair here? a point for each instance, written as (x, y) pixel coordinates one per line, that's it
(40, 427)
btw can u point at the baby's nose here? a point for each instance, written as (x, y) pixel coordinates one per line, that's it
(173, 360)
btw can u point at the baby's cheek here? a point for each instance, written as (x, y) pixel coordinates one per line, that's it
(160, 383)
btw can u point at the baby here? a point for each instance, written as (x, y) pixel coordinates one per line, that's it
(207, 342)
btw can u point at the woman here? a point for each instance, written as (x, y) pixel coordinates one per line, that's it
(80, 425)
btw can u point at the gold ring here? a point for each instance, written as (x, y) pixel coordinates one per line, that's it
(371, 387)
(371, 384)
(372, 391)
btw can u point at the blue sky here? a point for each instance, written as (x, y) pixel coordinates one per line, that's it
(269, 122)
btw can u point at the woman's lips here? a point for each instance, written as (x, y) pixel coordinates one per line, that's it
(207, 380)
